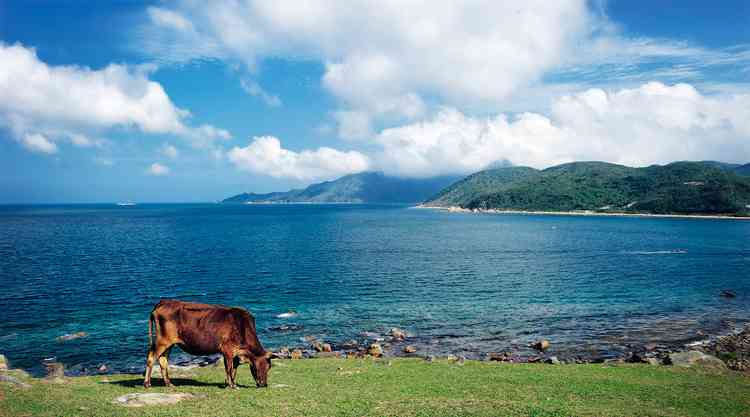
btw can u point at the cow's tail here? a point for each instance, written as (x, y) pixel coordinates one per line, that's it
(152, 326)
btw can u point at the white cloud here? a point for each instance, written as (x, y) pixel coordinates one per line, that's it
(266, 156)
(255, 90)
(170, 151)
(653, 123)
(158, 169)
(66, 102)
(382, 58)
(38, 143)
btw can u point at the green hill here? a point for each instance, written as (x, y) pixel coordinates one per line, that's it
(365, 187)
(678, 188)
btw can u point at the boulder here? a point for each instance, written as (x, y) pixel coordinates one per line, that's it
(55, 370)
(151, 398)
(296, 354)
(728, 294)
(552, 360)
(3, 363)
(499, 356)
(12, 380)
(350, 344)
(409, 349)
(317, 346)
(71, 336)
(541, 345)
(375, 350)
(327, 347)
(694, 358)
(397, 333)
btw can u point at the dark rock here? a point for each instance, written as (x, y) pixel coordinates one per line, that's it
(552, 360)
(636, 358)
(287, 328)
(350, 344)
(499, 357)
(541, 345)
(728, 294)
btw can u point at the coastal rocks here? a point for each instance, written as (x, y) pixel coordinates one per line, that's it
(322, 347)
(350, 344)
(728, 294)
(55, 372)
(734, 348)
(72, 336)
(12, 380)
(296, 354)
(500, 357)
(375, 350)
(694, 358)
(397, 334)
(552, 360)
(151, 398)
(541, 345)
(287, 328)
(410, 349)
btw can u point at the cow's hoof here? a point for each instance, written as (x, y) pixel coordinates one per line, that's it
(146, 385)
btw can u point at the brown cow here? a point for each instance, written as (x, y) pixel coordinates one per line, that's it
(205, 329)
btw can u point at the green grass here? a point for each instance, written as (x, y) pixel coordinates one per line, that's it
(406, 387)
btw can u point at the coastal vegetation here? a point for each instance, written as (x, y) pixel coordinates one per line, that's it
(676, 188)
(406, 387)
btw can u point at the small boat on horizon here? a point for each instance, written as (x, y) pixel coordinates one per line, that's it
(126, 203)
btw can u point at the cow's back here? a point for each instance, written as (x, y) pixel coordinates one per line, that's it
(201, 329)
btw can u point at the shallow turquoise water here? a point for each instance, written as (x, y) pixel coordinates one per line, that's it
(460, 283)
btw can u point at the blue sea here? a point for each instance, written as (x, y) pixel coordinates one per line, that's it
(465, 284)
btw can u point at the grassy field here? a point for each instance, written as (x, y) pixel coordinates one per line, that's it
(404, 387)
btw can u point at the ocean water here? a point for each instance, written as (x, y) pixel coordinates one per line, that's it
(459, 283)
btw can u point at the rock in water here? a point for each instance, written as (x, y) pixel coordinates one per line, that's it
(375, 350)
(72, 336)
(151, 398)
(409, 349)
(728, 294)
(397, 333)
(694, 358)
(541, 345)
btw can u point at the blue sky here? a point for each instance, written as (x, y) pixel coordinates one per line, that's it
(173, 101)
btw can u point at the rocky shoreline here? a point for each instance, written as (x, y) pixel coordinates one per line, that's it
(730, 351)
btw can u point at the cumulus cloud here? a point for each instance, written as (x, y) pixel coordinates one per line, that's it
(653, 123)
(170, 151)
(382, 58)
(38, 143)
(157, 169)
(66, 102)
(264, 155)
(255, 90)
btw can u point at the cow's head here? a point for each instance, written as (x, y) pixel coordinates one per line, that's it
(259, 366)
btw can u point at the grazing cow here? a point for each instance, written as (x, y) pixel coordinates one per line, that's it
(204, 329)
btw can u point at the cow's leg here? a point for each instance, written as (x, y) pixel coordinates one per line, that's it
(149, 366)
(164, 365)
(235, 365)
(229, 368)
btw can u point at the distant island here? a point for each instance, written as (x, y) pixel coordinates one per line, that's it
(364, 187)
(682, 188)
